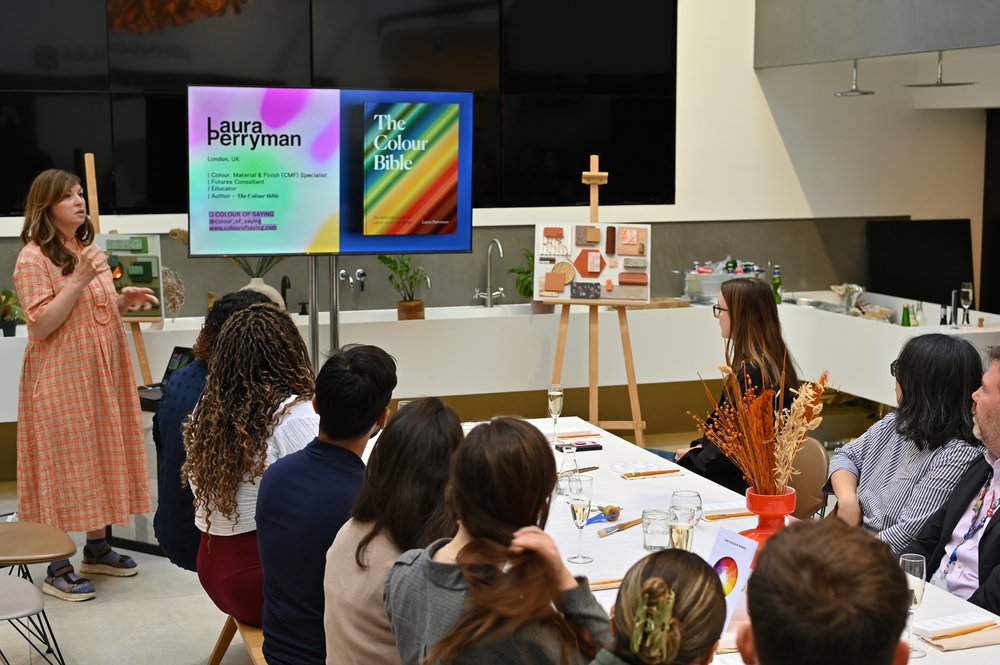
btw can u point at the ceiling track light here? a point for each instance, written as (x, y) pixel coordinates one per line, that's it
(854, 90)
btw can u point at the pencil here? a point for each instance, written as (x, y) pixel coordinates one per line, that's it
(725, 516)
(966, 631)
(644, 474)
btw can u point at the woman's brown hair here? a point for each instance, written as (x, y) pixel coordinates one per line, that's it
(676, 599)
(259, 361)
(404, 484)
(48, 188)
(501, 480)
(755, 332)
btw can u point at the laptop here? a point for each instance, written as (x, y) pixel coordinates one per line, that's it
(150, 396)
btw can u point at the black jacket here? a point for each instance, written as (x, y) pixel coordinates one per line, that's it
(937, 532)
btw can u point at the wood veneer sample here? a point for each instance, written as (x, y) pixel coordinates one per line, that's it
(610, 239)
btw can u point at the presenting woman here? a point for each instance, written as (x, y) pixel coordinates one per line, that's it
(670, 610)
(748, 321)
(896, 475)
(81, 459)
(255, 409)
(498, 592)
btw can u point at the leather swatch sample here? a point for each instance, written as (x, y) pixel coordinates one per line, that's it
(585, 290)
(610, 241)
(633, 278)
(553, 232)
(554, 281)
(593, 234)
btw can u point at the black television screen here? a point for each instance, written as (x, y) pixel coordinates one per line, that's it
(922, 259)
(43, 130)
(150, 171)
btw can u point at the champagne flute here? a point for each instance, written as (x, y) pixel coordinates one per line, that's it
(581, 492)
(915, 567)
(555, 408)
(685, 512)
(965, 296)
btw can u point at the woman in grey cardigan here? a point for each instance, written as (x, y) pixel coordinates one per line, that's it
(498, 591)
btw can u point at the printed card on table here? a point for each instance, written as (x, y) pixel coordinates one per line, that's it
(731, 557)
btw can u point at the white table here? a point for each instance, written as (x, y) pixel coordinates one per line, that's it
(615, 554)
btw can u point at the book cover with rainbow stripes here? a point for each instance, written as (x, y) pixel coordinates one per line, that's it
(410, 168)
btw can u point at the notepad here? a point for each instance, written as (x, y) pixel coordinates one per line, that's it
(935, 628)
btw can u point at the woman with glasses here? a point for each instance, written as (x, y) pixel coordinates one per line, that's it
(893, 477)
(756, 351)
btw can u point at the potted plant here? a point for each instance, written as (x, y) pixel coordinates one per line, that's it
(10, 312)
(524, 281)
(405, 278)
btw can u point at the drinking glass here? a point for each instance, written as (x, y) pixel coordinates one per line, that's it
(965, 298)
(655, 529)
(555, 408)
(686, 504)
(915, 567)
(581, 492)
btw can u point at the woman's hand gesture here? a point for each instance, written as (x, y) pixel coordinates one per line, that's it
(90, 264)
(134, 298)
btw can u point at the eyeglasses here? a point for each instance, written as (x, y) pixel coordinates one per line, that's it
(893, 367)
(716, 310)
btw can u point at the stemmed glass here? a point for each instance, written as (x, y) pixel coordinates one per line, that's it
(965, 297)
(581, 492)
(915, 567)
(555, 408)
(685, 512)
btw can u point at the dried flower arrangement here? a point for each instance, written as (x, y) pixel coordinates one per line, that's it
(761, 440)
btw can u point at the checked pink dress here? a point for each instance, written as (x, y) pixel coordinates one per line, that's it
(81, 461)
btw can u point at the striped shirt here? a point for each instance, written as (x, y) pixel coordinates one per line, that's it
(899, 485)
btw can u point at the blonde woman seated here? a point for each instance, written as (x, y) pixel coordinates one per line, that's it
(401, 507)
(498, 592)
(670, 610)
(255, 409)
(896, 475)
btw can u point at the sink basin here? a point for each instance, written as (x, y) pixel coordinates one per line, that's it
(815, 304)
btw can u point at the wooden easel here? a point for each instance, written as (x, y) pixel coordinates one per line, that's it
(95, 218)
(594, 179)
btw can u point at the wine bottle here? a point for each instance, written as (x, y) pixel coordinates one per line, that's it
(905, 319)
(776, 283)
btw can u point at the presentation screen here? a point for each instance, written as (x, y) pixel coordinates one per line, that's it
(323, 171)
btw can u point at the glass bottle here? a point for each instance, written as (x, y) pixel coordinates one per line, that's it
(918, 314)
(944, 315)
(776, 283)
(568, 467)
(905, 319)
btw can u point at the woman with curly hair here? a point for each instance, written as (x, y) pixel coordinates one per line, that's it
(498, 592)
(670, 610)
(256, 408)
(81, 461)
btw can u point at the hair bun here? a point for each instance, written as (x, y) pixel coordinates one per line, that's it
(656, 635)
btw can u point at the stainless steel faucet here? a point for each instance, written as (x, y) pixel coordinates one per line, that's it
(489, 295)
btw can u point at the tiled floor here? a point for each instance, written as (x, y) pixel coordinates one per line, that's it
(159, 617)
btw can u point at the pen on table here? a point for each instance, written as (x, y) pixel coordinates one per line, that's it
(607, 531)
(576, 435)
(966, 631)
(644, 474)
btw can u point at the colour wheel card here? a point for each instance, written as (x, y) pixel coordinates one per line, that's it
(731, 557)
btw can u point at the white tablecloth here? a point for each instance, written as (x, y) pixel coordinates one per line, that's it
(615, 554)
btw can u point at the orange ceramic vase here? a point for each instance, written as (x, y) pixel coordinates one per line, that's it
(771, 511)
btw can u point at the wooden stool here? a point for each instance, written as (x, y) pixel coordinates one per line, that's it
(253, 640)
(26, 543)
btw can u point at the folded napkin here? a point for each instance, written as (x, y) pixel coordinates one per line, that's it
(980, 638)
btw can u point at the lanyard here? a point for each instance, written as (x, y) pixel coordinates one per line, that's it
(977, 522)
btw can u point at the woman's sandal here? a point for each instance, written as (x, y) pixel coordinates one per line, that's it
(61, 584)
(106, 561)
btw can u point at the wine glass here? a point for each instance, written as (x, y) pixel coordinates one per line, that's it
(965, 297)
(686, 504)
(555, 408)
(581, 492)
(915, 567)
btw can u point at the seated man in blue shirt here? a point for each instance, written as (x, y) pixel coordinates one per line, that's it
(307, 496)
